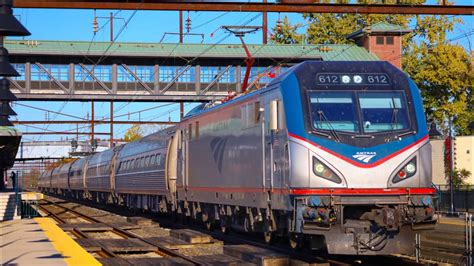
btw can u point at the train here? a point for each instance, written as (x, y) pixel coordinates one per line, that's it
(334, 155)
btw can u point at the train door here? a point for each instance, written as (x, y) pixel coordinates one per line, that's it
(274, 146)
(171, 166)
(113, 170)
(84, 175)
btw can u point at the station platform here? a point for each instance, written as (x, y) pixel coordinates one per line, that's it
(453, 221)
(39, 241)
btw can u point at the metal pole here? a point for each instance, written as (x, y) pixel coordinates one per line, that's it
(92, 120)
(417, 247)
(111, 124)
(111, 27)
(181, 110)
(180, 26)
(469, 253)
(264, 26)
(262, 118)
(451, 183)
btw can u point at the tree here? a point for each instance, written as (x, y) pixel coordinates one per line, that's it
(49, 166)
(459, 177)
(442, 70)
(133, 133)
(285, 33)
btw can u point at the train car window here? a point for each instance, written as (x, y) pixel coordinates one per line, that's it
(152, 159)
(190, 131)
(147, 164)
(383, 111)
(379, 40)
(389, 40)
(249, 115)
(197, 130)
(158, 159)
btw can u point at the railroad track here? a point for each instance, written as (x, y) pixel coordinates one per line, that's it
(118, 244)
(447, 244)
(244, 248)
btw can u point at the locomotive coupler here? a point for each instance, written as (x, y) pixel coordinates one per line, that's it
(385, 217)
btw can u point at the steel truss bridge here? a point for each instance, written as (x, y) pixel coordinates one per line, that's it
(83, 71)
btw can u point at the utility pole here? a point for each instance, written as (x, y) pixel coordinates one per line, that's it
(111, 27)
(180, 26)
(264, 26)
(111, 124)
(92, 120)
(181, 39)
(110, 18)
(451, 164)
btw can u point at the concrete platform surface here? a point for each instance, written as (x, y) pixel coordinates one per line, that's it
(23, 242)
(39, 241)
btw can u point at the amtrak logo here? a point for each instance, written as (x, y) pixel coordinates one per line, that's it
(364, 156)
(218, 147)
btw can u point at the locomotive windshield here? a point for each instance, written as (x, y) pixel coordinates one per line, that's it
(358, 112)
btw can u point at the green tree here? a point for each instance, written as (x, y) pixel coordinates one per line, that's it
(442, 70)
(285, 33)
(459, 177)
(133, 133)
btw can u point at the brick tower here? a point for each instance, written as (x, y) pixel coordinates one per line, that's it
(382, 39)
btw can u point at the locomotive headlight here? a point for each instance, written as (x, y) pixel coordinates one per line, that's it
(407, 171)
(411, 168)
(322, 170)
(319, 168)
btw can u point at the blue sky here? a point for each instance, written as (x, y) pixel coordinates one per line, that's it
(143, 26)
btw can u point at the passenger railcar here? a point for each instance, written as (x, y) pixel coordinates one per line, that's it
(335, 152)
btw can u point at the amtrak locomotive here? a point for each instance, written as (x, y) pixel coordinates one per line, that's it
(332, 152)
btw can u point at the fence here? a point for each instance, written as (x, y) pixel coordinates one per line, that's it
(463, 199)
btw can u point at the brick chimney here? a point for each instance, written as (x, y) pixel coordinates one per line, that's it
(382, 39)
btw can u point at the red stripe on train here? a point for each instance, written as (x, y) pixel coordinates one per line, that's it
(364, 191)
(379, 162)
(309, 191)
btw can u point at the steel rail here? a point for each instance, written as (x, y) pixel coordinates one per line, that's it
(286, 6)
(77, 232)
(163, 251)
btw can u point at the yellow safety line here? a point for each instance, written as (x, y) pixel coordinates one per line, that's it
(452, 222)
(71, 251)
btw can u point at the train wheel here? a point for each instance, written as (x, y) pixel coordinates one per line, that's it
(209, 225)
(223, 226)
(296, 240)
(268, 236)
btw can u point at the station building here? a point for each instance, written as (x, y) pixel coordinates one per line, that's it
(463, 152)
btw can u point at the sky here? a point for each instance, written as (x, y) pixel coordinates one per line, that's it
(141, 26)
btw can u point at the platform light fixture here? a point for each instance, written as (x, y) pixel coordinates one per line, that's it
(9, 26)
